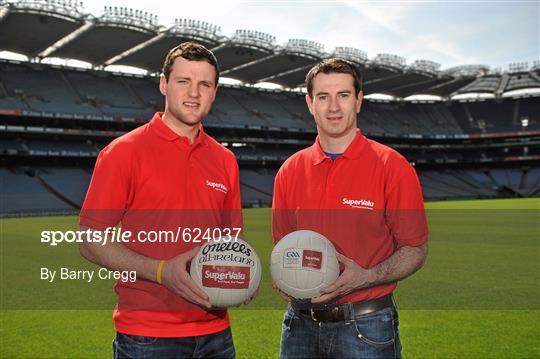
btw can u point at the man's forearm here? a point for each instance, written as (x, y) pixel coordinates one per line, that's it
(404, 262)
(174, 275)
(116, 256)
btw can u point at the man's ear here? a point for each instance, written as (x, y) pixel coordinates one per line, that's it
(163, 85)
(309, 103)
(215, 93)
(359, 100)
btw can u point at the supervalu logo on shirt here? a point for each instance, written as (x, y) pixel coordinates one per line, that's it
(217, 186)
(358, 203)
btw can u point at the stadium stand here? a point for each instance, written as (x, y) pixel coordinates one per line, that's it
(529, 109)
(145, 90)
(24, 193)
(257, 187)
(54, 119)
(37, 146)
(10, 145)
(488, 84)
(492, 116)
(396, 120)
(13, 103)
(43, 89)
(522, 81)
(70, 183)
(39, 88)
(531, 182)
(519, 182)
(61, 190)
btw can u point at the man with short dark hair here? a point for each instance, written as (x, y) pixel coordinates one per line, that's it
(366, 199)
(160, 178)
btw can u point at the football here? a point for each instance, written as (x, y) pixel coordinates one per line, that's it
(302, 263)
(228, 271)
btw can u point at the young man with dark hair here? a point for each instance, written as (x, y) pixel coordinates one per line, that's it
(162, 176)
(366, 199)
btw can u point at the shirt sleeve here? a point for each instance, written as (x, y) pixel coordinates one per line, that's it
(404, 210)
(109, 190)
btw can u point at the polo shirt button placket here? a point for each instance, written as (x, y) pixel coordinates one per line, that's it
(329, 185)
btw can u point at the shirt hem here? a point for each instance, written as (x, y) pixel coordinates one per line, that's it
(176, 333)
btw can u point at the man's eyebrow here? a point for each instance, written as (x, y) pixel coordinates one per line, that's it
(209, 82)
(177, 77)
(321, 93)
(339, 92)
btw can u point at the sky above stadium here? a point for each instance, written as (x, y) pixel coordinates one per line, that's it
(494, 33)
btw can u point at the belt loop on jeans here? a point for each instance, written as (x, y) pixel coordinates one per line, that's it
(348, 311)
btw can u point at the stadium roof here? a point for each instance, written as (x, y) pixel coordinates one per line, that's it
(285, 65)
(28, 27)
(149, 54)
(121, 36)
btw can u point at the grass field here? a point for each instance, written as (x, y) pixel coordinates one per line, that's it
(477, 297)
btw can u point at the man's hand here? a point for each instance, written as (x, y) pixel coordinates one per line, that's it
(177, 279)
(405, 261)
(283, 295)
(352, 278)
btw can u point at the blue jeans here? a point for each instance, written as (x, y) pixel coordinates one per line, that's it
(217, 345)
(373, 335)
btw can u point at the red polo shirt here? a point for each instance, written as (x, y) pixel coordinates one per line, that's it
(367, 202)
(153, 179)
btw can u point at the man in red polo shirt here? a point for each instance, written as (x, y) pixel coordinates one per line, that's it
(366, 199)
(167, 176)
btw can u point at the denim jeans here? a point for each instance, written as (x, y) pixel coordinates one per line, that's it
(373, 335)
(217, 345)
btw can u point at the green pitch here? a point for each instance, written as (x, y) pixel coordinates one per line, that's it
(477, 297)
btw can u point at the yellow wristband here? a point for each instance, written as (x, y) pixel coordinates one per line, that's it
(159, 270)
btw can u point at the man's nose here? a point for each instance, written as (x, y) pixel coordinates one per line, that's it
(334, 105)
(193, 90)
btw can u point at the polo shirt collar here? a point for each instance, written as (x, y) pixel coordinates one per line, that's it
(162, 130)
(353, 151)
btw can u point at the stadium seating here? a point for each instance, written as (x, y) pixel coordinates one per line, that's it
(487, 84)
(42, 89)
(257, 187)
(247, 151)
(43, 187)
(520, 81)
(530, 110)
(51, 190)
(440, 185)
(502, 116)
(394, 120)
(60, 147)
(23, 193)
(488, 183)
(9, 145)
(13, 103)
(70, 183)
(531, 182)
(37, 87)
